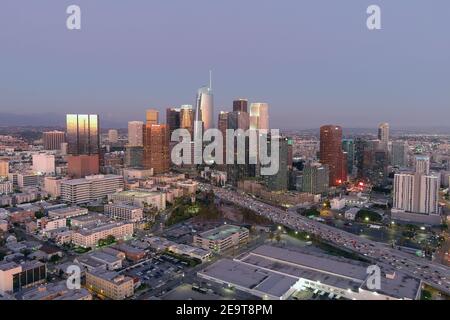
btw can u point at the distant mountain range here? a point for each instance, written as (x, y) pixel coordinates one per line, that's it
(59, 120)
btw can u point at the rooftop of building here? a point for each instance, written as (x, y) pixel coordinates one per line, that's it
(89, 179)
(54, 291)
(249, 277)
(124, 206)
(110, 276)
(98, 228)
(137, 193)
(66, 210)
(294, 264)
(222, 232)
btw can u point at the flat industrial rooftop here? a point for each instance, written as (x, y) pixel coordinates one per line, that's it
(273, 271)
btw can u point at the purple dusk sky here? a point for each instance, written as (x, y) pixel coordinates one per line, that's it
(313, 61)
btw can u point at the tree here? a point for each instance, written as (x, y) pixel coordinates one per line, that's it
(39, 214)
(426, 295)
(278, 237)
(110, 239)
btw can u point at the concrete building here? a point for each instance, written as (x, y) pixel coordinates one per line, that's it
(48, 224)
(140, 174)
(422, 164)
(44, 163)
(4, 168)
(135, 133)
(53, 140)
(124, 212)
(193, 252)
(6, 187)
(416, 193)
(15, 277)
(26, 180)
(52, 185)
(56, 291)
(89, 237)
(78, 191)
(141, 198)
(316, 178)
(275, 273)
(221, 238)
(113, 136)
(110, 284)
(67, 213)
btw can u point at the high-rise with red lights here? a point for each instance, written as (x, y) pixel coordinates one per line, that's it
(331, 153)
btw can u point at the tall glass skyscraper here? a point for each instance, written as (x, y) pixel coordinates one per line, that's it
(259, 116)
(83, 139)
(83, 135)
(204, 109)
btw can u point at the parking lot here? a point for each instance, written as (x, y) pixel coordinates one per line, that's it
(157, 271)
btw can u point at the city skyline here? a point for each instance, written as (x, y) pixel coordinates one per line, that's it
(303, 75)
(216, 158)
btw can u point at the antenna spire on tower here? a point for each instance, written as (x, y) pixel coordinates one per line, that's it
(210, 79)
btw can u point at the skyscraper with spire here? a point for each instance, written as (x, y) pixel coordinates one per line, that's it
(204, 110)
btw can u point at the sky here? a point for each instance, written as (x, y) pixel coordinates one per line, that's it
(314, 61)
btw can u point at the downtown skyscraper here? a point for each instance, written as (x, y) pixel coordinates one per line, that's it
(156, 147)
(259, 116)
(383, 135)
(204, 111)
(331, 154)
(83, 138)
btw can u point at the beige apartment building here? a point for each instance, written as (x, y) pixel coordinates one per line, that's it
(110, 284)
(89, 237)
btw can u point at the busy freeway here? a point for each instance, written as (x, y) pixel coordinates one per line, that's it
(431, 273)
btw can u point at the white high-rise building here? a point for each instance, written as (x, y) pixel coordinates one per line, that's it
(429, 194)
(113, 136)
(404, 193)
(44, 163)
(135, 133)
(416, 193)
(259, 116)
(422, 164)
